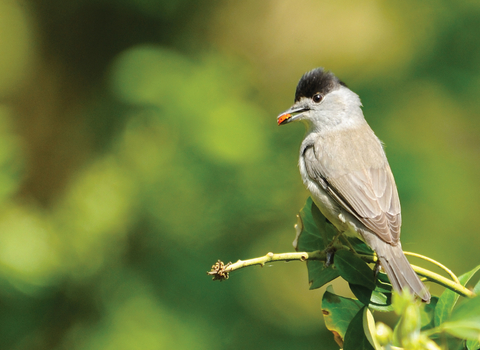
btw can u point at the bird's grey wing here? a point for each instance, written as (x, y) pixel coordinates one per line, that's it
(369, 194)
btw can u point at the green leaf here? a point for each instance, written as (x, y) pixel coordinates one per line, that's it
(355, 338)
(427, 313)
(462, 330)
(467, 311)
(325, 227)
(312, 231)
(464, 321)
(408, 327)
(383, 281)
(353, 269)
(315, 232)
(381, 301)
(375, 300)
(359, 246)
(370, 329)
(473, 344)
(338, 312)
(449, 298)
(450, 343)
(476, 289)
(362, 293)
(384, 288)
(319, 275)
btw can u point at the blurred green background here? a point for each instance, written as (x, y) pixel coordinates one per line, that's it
(138, 145)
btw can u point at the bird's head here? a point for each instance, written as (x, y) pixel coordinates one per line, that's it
(321, 99)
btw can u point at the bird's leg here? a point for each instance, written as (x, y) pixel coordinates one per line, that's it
(329, 254)
(333, 246)
(349, 245)
(330, 250)
(376, 269)
(334, 240)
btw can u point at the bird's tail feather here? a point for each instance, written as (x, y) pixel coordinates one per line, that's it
(399, 270)
(397, 267)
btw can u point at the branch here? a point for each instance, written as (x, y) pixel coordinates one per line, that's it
(438, 279)
(220, 271)
(443, 267)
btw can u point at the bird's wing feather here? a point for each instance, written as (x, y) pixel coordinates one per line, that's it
(370, 194)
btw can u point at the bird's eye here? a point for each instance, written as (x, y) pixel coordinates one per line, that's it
(317, 97)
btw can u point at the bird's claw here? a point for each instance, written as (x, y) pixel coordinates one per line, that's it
(329, 255)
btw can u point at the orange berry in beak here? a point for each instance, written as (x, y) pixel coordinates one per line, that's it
(284, 117)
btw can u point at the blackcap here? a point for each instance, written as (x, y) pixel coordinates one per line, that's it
(343, 165)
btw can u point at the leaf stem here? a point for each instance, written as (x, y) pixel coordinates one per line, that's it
(443, 267)
(434, 277)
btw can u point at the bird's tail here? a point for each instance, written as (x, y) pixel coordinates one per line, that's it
(399, 270)
(397, 267)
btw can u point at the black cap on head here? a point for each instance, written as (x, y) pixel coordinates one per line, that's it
(317, 80)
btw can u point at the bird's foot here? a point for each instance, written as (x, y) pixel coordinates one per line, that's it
(329, 255)
(331, 248)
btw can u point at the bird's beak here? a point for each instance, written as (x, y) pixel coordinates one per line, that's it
(290, 115)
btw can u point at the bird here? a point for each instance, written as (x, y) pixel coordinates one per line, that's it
(344, 167)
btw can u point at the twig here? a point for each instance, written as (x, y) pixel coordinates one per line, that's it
(443, 267)
(220, 271)
(438, 279)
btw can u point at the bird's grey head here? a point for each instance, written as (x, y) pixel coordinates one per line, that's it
(322, 101)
